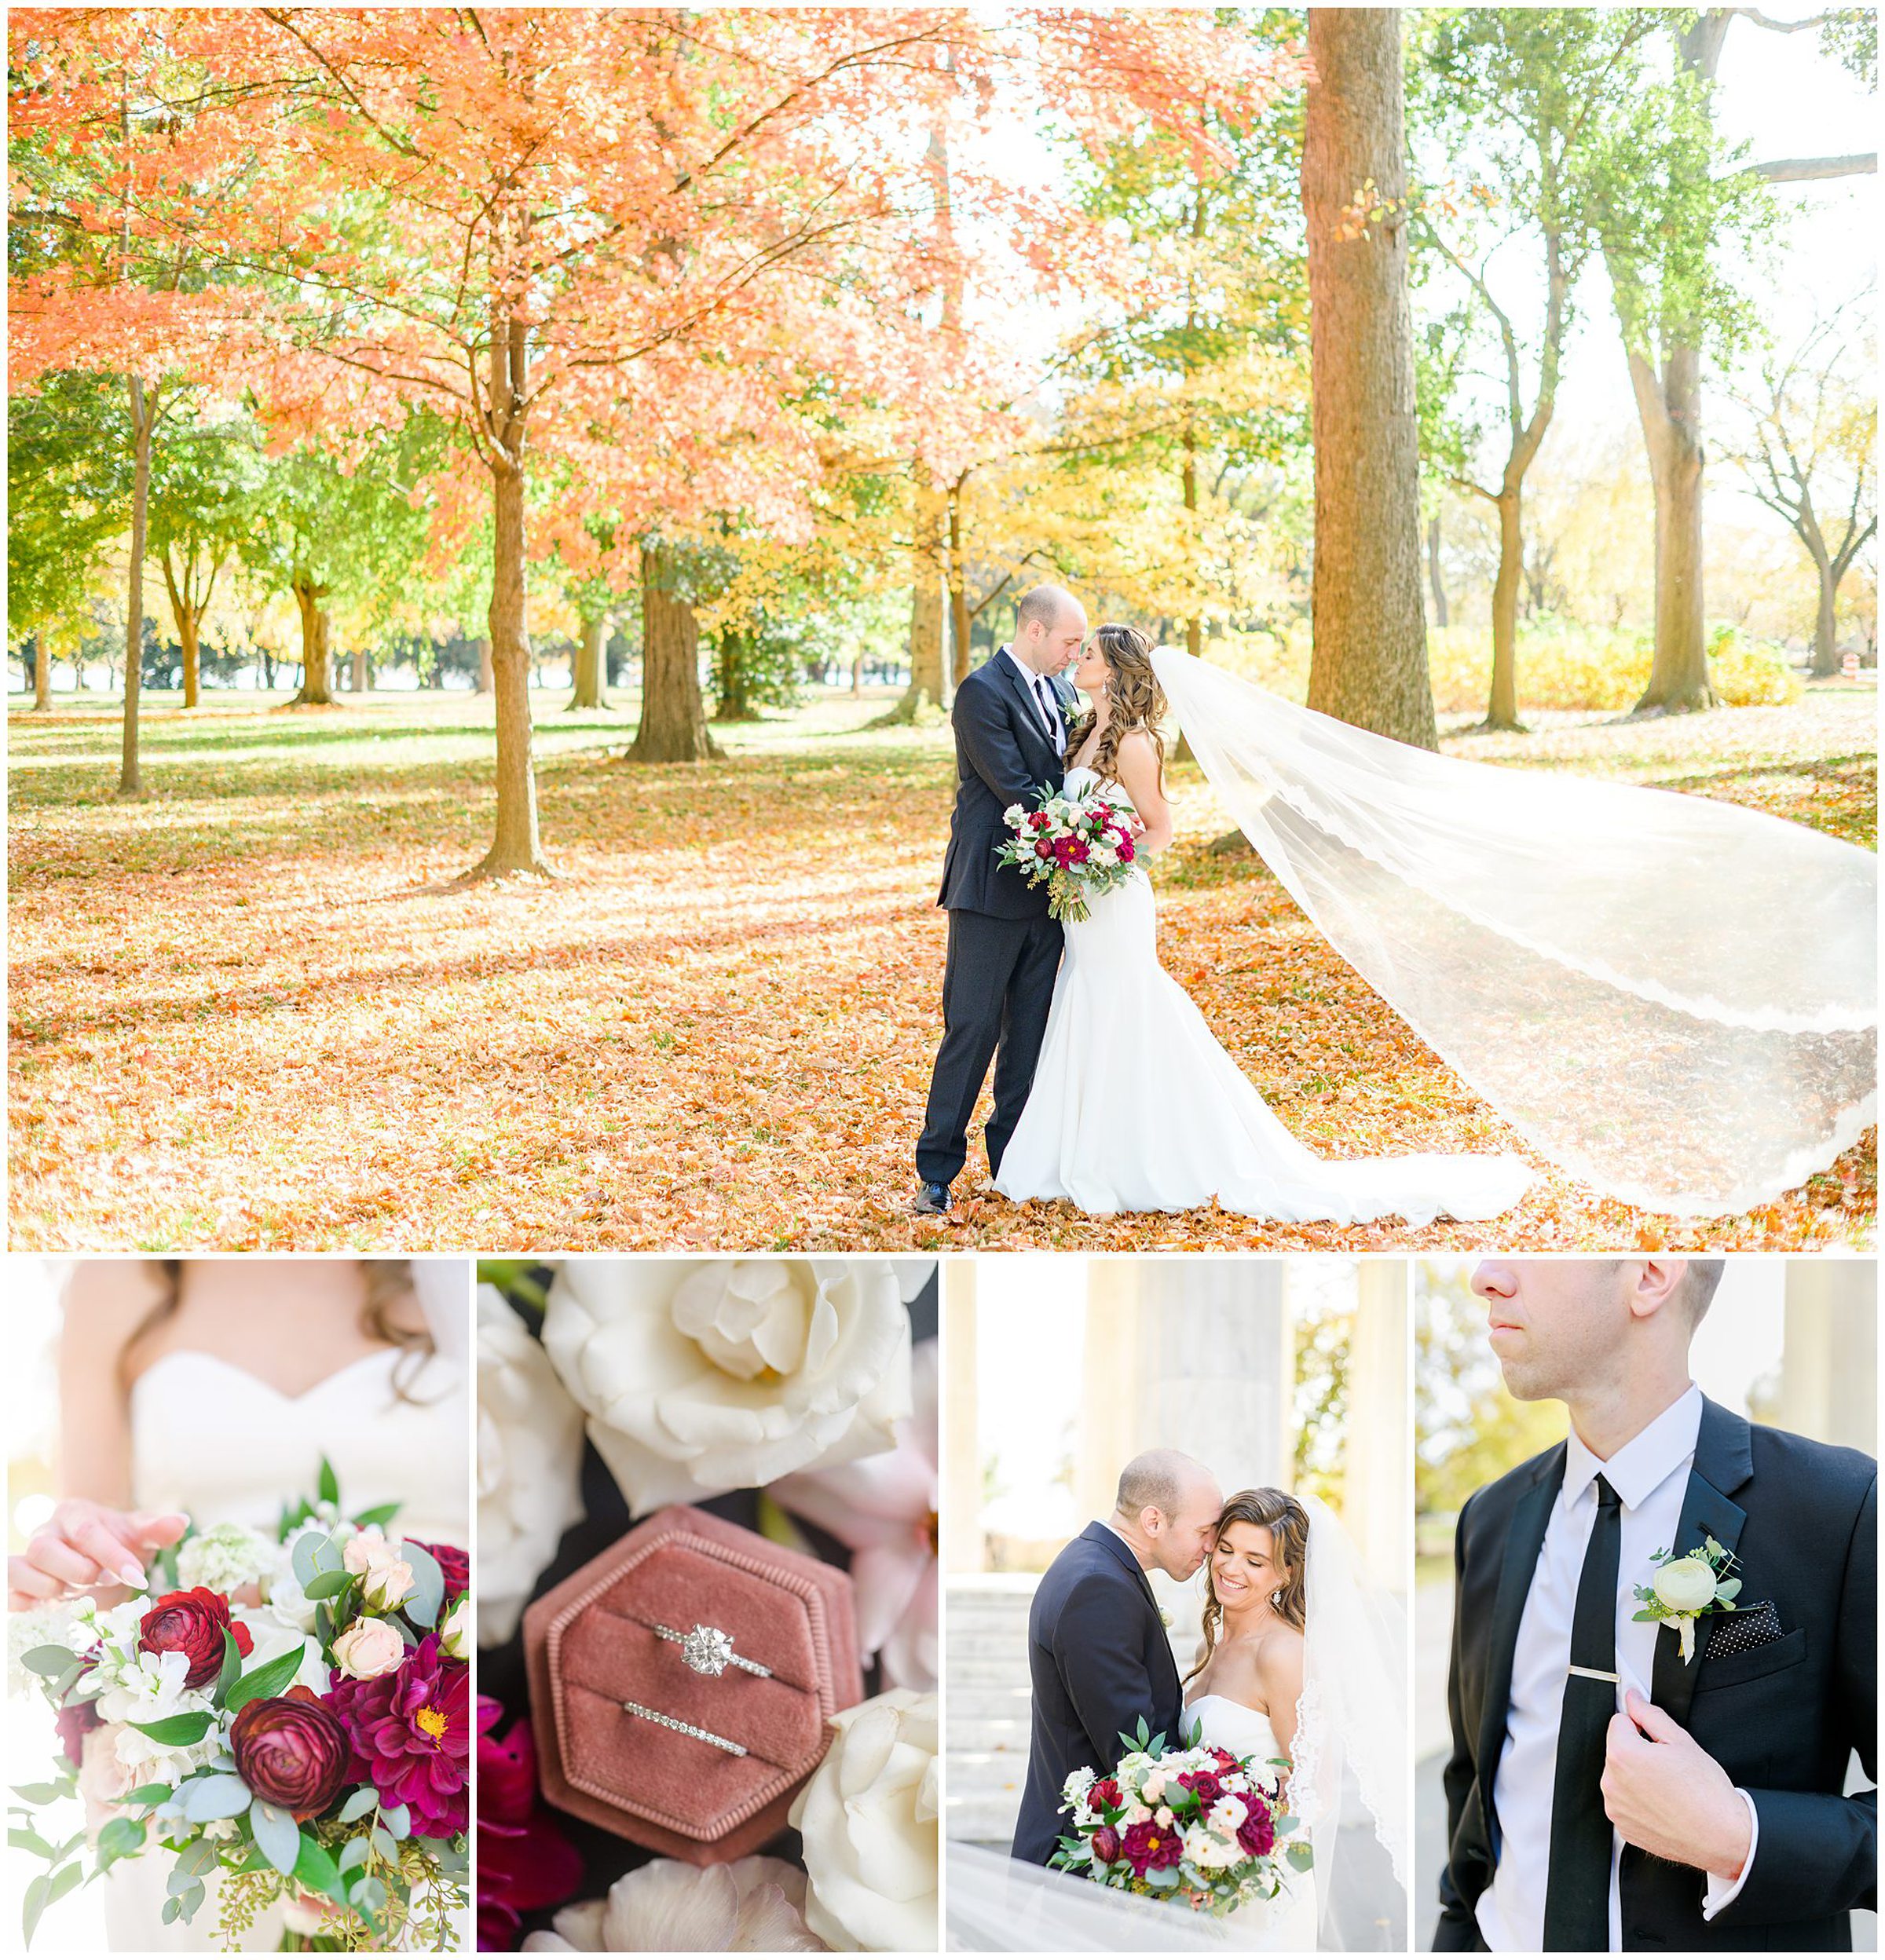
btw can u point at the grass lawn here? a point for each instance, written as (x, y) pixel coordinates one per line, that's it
(249, 1011)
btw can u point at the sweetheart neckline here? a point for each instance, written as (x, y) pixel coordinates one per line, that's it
(248, 1374)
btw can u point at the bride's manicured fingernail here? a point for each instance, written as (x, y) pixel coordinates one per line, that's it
(131, 1576)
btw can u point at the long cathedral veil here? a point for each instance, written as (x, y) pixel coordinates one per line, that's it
(1673, 998)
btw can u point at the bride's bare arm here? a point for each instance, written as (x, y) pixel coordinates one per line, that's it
(92, 1542)
(1140, 776)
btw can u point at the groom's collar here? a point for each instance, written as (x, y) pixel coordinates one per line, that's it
(1651, 1457)
(1101, 1533)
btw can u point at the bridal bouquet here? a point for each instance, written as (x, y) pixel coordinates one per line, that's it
(1078, 847)
(1198, 1825)
(290, 1710)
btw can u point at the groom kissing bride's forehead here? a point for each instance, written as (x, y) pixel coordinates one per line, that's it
(1664, 1647)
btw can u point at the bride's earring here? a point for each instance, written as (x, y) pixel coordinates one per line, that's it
(1276, 1598)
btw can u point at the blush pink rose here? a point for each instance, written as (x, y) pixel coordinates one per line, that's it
(368, 1648)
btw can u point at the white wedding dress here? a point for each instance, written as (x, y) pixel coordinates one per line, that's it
(1136, 1107)
(211, 1439)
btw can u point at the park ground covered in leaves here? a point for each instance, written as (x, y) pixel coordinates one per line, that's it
(252, 1011)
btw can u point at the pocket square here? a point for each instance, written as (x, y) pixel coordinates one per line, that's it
(1742, 1632)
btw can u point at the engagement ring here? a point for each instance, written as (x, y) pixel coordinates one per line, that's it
(707, 1650)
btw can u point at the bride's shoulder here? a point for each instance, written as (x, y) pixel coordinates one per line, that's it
(105, 1301)
(1278, 1655)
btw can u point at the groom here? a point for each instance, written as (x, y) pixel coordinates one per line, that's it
(1098, 1654)
(1604, 1794)
(1010, 723)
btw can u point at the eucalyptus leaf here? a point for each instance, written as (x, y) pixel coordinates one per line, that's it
(49, 1661)
(277, 1836)
(359, 1804)
(172, 1907)
(398, 1821)
(383, 1843)
(1299, 1854)
(210, 1797)
(421, 1605)
(150, 1794)
(119, 1838)
(354, 1852)
(324, 1585)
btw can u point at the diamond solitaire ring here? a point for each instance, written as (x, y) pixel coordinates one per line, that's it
(685, 1728)
(707, 1650)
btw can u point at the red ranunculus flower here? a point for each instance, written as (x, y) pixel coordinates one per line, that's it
(1106, 1845)
(455, 1564)
(1258, 1832)
(1226, 1760)
(1105, 1793)
(412, 1732)
(1043, 848)
(1202, 1785)
(1148, 1846)
(192, 1624)
(292, 1750)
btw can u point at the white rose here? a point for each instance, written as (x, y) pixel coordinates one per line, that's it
(453, 1632)
(1685, 1586)
(1013, 815)
(868, 1818)
(530, 1463)
(701, 1377)
(367, 1649)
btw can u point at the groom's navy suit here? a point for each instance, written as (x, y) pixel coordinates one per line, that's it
(1782, 1718)
(1003, 948)
(1100, 1663)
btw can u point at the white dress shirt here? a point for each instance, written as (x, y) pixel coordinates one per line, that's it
(1037, 686)
(1650, 1475)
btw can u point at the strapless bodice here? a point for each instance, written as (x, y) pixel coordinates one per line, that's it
(1243, 1731)
(211, 1438)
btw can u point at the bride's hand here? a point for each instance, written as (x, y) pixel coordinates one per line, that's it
(86, 1547)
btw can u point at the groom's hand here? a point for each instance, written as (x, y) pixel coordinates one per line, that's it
(1669, 1797)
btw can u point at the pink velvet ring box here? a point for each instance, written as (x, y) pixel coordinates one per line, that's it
(590, 1645)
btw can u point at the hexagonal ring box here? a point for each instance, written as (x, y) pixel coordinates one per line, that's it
(719, 1597)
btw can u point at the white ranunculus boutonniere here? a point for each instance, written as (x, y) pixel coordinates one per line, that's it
(1682, 1588)
(1165, 1619)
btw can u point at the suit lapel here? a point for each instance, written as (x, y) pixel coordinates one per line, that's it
(1005, 666)
(1523, 1541)
(1724, 1461)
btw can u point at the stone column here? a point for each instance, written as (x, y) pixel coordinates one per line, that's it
(1377, 1504)
(1829, 1363)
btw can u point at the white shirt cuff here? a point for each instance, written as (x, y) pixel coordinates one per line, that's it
(1722, 1892)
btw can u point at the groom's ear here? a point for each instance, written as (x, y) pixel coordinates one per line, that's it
(1657, 1286)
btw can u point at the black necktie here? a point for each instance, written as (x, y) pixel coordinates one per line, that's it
(1577, 1887)
(1047, 705)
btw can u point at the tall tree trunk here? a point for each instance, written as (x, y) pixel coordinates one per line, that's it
(42, 671)
(1194, 627)
(733, 703)
(1669, 407)
(926, 605)
(674, 724)
(1437, 589)
(1502, 704)
(1825, 630)
(959, 621)
(514, 847)
(1369, 662)
(144, 418)
(316, 688)
(486, 679)
(361, 678)
(587, 690)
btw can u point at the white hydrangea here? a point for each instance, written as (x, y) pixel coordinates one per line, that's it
(148, 1687)
(51, 1624)
(225, 1558)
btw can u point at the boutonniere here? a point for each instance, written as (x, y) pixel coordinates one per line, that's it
(1165, 1619)
(1682, 1589)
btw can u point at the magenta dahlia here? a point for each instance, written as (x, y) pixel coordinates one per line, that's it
(412, 1732)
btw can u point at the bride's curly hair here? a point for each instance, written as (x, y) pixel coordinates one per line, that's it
(1135, 697)
(1288, 1524)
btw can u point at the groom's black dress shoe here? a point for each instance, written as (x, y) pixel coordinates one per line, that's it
(932, 1198)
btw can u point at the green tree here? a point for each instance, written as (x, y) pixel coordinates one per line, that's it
(204, 488)
(1518, 100)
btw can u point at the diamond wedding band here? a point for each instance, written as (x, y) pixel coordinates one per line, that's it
(685, 1728)
(707, 1650)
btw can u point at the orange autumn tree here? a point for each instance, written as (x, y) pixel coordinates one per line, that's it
(611, 240)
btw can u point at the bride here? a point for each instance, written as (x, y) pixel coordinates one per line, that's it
(1135, 1107)
(210, 1391)
(1301, 1665)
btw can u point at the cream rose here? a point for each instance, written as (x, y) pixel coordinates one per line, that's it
(701, 1376)
(455, 1630)
(529, 1461)
(868, 1818)
(1685, 1586)
(368, 1648)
